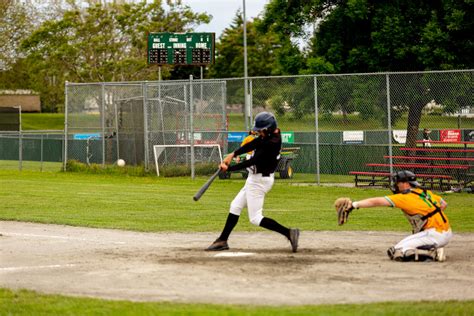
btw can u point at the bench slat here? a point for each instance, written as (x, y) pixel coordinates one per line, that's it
(421, 175)
(443, 142)
(421, 166)
(438, 150)
(431, 158)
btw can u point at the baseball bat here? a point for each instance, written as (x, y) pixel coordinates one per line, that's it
(206, 185)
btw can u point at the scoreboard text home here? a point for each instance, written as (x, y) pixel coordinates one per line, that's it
(181, 48)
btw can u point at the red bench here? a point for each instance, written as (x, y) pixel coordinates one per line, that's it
(444, 142)
(431, 158)
(437, 150)
(418, 166)
(431, 170)
(375, 178)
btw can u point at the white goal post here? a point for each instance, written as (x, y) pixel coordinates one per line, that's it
(159, 149)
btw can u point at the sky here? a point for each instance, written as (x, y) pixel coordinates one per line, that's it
(223, 12)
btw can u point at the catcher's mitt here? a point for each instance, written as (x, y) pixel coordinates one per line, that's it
(343, 208)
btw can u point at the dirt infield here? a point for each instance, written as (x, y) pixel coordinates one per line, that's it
(331, 267)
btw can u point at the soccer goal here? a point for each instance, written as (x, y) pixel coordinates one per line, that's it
(181, 154)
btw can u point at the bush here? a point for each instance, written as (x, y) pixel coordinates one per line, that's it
(139, 171)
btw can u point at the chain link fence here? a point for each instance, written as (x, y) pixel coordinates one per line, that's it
(333, 125)
(110, 121)
(31, 150)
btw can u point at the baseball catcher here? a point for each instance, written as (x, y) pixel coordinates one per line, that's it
(423, 209)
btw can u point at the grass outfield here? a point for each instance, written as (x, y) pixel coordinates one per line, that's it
(165, 204)
(55, 121)
(31, 303)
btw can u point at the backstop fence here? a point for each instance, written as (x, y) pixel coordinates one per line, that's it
(331, 124)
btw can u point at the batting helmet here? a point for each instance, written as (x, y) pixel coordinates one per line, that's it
(403, 176)
(264, 120)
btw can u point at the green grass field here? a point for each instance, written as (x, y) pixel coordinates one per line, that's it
(31, 303)
(165, 204)
(55, 121)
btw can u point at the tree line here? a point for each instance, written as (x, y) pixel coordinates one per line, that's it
(89, 41)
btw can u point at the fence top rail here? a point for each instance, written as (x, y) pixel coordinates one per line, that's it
(266, 77)
(27, 131)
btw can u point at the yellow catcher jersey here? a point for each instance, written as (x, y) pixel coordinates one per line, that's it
(413, 204)
(246, 140)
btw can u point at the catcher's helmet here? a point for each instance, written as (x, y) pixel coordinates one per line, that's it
(403, 176)
(264, 120)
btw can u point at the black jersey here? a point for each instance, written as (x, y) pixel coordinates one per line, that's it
(266, 155)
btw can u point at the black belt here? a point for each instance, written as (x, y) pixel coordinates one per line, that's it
(266, 174)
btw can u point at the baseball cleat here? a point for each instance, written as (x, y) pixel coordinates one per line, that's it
(218, 245)
(294, 236)
(440, 255)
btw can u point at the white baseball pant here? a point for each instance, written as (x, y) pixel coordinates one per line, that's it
(429, 237)
(252, 196)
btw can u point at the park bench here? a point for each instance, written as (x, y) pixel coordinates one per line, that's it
(374, 178)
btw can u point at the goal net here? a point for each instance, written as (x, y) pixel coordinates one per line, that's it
(180, 155)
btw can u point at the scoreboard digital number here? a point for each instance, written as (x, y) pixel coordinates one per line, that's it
(181, 48)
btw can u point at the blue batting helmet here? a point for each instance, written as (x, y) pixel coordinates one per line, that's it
(264, 120)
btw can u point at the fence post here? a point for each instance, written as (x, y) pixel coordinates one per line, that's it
(103, 124)
(65, 125)
(316, 123)
(224, 117)
(117, 130)
(191, 123)
(41, 168)
(250, 104)
(389, 123)
(145, 123)
(20, 142)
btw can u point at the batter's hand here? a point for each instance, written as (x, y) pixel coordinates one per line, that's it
(343, 208)
(223, 167)
(228, 159)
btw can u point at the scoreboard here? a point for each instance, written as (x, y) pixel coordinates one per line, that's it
(181, 48)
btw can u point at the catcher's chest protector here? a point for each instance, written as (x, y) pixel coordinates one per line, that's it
(416, 221)
(419, 221)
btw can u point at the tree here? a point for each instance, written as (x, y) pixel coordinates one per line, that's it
(350, 36)
(99, 42)
(230, 51)
(369, 35)
(15, 24)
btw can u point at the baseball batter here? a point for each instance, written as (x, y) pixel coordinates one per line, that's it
(423, 209)
(261, 166)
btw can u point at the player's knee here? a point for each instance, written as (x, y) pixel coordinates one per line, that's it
(235, 209)
(256, 219)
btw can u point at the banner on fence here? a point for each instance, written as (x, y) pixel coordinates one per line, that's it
(288, 137)
(353, 137)
(400, 136)
(450, 135)
(87, 136)
(236, 137)
(469, 135)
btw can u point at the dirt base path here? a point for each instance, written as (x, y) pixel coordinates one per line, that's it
(331, 267)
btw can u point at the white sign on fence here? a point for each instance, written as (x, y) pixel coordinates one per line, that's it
(353, 137)
(400, 136)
